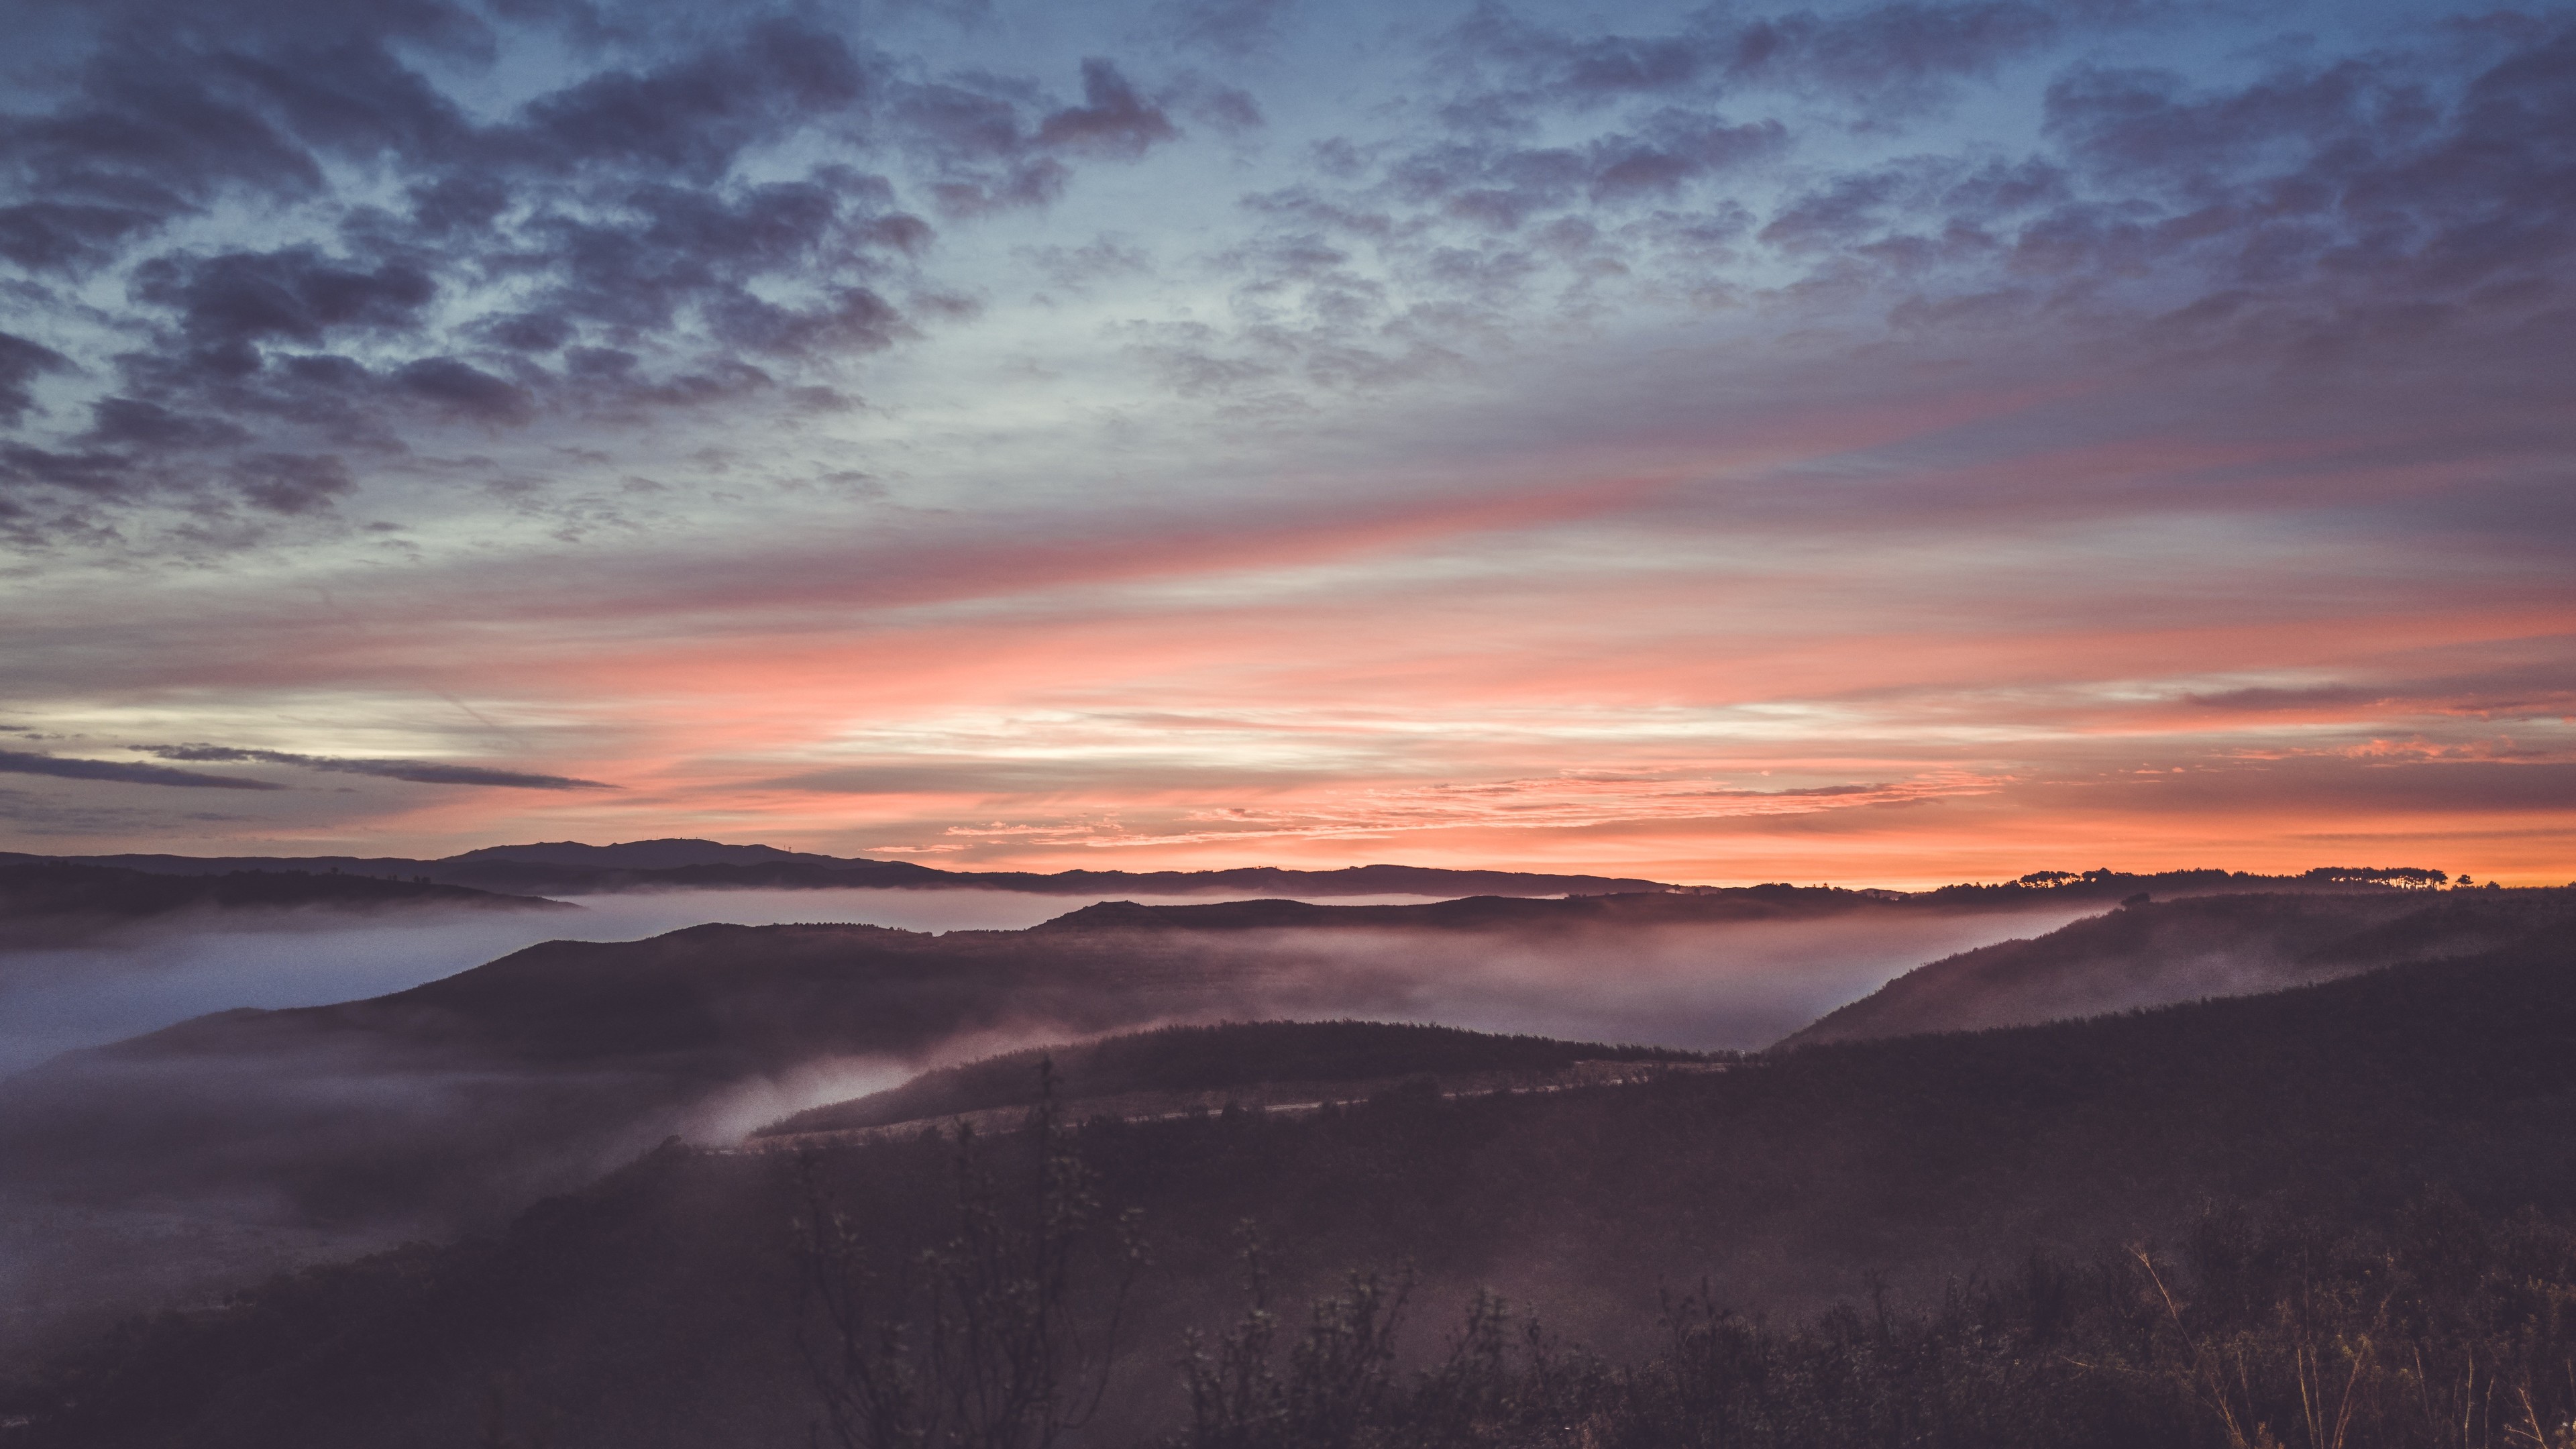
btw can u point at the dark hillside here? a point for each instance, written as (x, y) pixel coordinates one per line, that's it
(1193, 1058)
(529, 1073)
(523, 1072)
(469, 1092)
(656, 1308)
(1484, 913)
(2152, 954)
(570, 867)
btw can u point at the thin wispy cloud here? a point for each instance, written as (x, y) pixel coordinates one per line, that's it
(20, 762)
(419, 772)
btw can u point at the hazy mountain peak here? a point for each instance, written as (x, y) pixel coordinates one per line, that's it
(667, 854)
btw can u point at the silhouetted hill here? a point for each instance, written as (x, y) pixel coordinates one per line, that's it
(532, 1071)
(457, 1102)
(574, 868)
(2154, 954)
(1487, 913)
(468, 1093)
(43, 902)
(663, 854)
(660, 1307)
(1202, 1058)
(569, 867)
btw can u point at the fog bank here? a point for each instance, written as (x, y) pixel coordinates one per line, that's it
(153, 974)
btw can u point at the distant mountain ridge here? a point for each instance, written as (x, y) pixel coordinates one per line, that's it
(571, 867)
(47, 902)
(567, 866)
(665, 854)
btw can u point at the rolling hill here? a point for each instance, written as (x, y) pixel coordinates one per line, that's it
(572, 868)
(659, 1307)
(1214, 1062)
(2153, 954)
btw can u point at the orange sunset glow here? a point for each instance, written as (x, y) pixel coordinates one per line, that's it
(1983, 484)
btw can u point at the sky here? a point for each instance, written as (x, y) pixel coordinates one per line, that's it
(1879, 443)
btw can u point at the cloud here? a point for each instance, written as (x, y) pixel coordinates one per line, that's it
(1111, 121)
(230, 303)
(63, 236)
(1898, 52)
(424, 772)
(2044, 393)
(19, 762)
(2374, 209)
(1503, 187)
(1883, 62)
(1561, 803)
(1101, 259)
(627, 236)
(291, 482)
(2265, 698)
(130, 422)
(1231, 28)
(463, 390)
(2325, 200)
(21, 362)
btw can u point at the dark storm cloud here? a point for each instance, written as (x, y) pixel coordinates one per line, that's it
(19, 762)
(422, 772)
(601, 248)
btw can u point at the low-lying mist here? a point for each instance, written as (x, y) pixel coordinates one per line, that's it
(1707, 987)
(253, 1143)
(151, 974)
(1738, 986)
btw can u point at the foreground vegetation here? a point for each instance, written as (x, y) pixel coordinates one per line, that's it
(2262, 1329)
